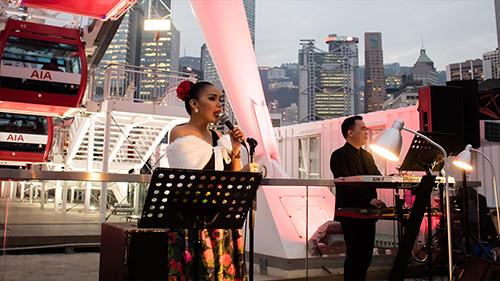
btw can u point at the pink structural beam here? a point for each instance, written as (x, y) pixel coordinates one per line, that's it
(227, 36)
(99, 9)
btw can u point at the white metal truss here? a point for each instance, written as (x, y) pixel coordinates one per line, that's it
(139, 119)
(133, 139)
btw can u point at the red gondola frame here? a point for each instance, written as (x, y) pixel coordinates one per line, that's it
(31, 157)
(42, 103)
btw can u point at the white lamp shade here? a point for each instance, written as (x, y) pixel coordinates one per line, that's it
(464, 159)
(390, 142)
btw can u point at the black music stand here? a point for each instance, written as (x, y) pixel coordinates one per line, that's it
(422, 156)
(198, 199)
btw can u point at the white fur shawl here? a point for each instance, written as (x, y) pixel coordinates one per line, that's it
(191, 152)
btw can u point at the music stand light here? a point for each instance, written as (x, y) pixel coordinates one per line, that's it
(464, 161)
(389, 144)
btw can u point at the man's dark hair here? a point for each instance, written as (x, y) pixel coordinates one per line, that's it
(348, 123)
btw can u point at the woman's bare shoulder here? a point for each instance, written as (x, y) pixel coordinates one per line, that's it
(177, 132)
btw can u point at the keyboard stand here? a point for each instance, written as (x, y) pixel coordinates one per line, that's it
(422, 195)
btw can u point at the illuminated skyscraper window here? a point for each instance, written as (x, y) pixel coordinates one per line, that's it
(327, 79)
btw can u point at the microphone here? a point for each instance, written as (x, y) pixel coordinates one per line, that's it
(225, 120)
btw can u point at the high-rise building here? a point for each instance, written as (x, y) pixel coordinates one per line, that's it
(175, 47)
(250, 12)
(263, 70)
(392, 69)
(407, 95)
(160, 49)
(491, 65)
(209, 74)
(406, 98)
(188, 61)
(125, 48)
(189, 64)
(292, 72)
(442, 77)
(468, 70)
(374, 94)
(497, 18)
(327, 79)
(405, 70)
(392, 83)
(424, 70)
(208, 70)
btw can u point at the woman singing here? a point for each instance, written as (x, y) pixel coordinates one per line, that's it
(194, 146)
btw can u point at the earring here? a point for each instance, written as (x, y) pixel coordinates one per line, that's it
(196, 110)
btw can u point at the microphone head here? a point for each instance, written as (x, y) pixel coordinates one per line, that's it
(225, 120)
(223, 117)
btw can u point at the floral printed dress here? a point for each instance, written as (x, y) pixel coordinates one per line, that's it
(221, 250)
(221, 253)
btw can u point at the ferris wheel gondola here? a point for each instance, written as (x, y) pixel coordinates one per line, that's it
(25, 138)
(43, 68)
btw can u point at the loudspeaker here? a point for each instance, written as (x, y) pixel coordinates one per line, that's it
(441, 116)
(133, 254)
(470, 99)
(478, 269)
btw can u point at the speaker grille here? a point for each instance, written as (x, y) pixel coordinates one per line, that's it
(492, 131)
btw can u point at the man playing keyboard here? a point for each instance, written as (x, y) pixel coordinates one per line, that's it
(353, 160)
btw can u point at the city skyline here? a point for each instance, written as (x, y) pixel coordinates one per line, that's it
(439, 23)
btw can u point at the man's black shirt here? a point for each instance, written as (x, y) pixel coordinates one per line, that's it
(350, 161)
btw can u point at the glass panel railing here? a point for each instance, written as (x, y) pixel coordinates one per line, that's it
(43, 220)
(45, 215)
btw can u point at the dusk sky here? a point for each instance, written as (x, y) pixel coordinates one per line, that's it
(452, 30)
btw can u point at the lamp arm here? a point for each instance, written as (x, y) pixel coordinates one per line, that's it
(494, 183)
(485, 157)
(447, 188)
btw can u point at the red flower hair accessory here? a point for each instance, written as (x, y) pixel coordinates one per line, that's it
(183, 90)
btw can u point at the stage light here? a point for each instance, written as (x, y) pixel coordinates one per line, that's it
(464, 161)
(388, 145)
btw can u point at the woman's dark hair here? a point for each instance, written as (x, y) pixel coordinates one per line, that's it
(194, 93)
